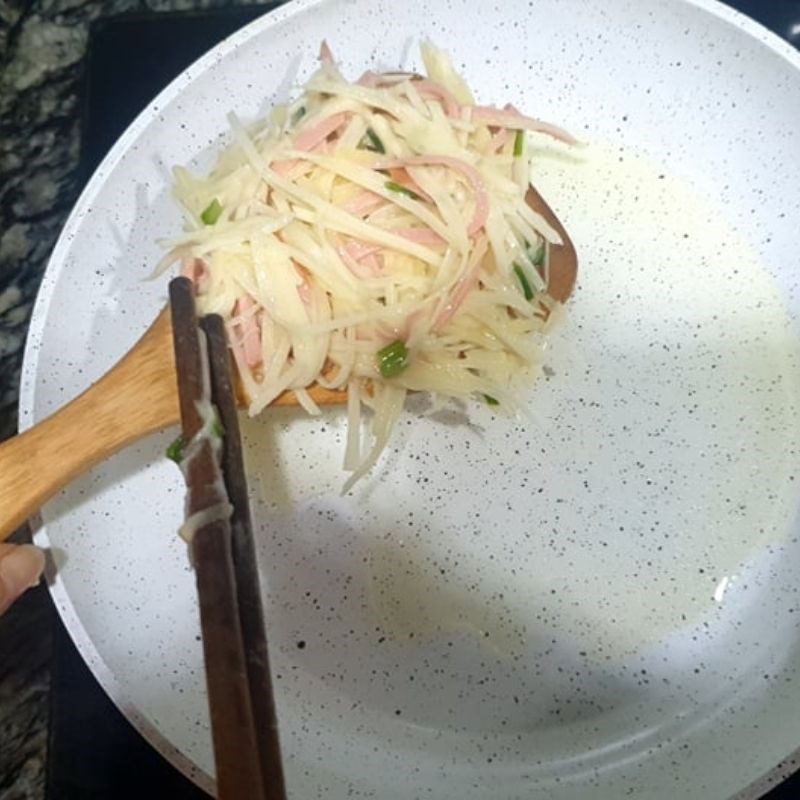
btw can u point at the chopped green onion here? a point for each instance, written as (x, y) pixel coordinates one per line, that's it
(375, 144)
(217, 429)
(523, 279)
(392, 359)
(396, 187)
(519, 144)
(298, 115)
(491, 401)
(175, 450)
(538, 257)
(211, 213)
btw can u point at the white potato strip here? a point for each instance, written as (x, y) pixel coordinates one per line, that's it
(536, 221)
(224, 234)
(353, 134)
(387, 411)
(429, 180)
(342, 222)
(373, 98)
(307, 402)
(408, 88)
(391, 142)
(440, 68)
(194, 522)
(376, 183)
(496, 229)
(352, 453)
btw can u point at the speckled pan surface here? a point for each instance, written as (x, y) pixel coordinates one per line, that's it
(602, 601)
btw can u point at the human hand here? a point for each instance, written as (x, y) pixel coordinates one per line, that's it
(21, 567)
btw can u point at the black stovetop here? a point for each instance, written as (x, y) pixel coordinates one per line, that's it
(94, 753)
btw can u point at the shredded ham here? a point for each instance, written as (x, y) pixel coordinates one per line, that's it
(425, 86)
(373, 262)
(428, 88)
(419, 235)
(469, 172)
(311, 140)
(357, 256)
(247, 331)
(511, 118)
(368, 79)
(325, 53)
(196, 270)
(304, 291)
(373, 80)
(284, 167)
(363, 203)
(360, 250)
(401, 177)
(312, 136)
(304, 287)
(499, 139)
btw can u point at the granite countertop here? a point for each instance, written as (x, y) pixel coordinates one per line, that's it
(43, 47)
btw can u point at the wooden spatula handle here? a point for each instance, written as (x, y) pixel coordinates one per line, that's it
(138, 396)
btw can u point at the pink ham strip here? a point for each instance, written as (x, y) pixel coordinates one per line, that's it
(368, 268)
(362, 203)
(303, 288)
(247, 331)
(359, 269)
(402, 177)
(196, 271)
(312, 136)
(425, 86)
(464, 286)
(368, 80)
(304, 292)
(511, 118)
(419, 235)
(498, 140)
(283, 168)
(429, 88)
(311, 140)
(469, 172)
(373, 262)
(371, 80)
(325, 53)
(360, 250)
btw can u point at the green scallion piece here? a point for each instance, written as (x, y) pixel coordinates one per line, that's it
(211, 212)
(298, 115)
(175, 450)
(396, 187)
(375, 144)
(491, 401)
(519, 144)
(523, 280)
(217, 429)
(392, 359)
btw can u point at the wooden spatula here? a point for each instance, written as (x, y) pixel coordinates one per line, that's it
(139, 396)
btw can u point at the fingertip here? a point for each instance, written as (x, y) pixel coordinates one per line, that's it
(33, 560)
(20, 568)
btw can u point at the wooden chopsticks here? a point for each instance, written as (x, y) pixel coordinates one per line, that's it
(219, 529)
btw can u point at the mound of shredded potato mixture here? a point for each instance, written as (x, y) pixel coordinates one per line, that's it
(373, 236)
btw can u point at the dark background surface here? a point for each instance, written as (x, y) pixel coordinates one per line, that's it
(93, 751)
